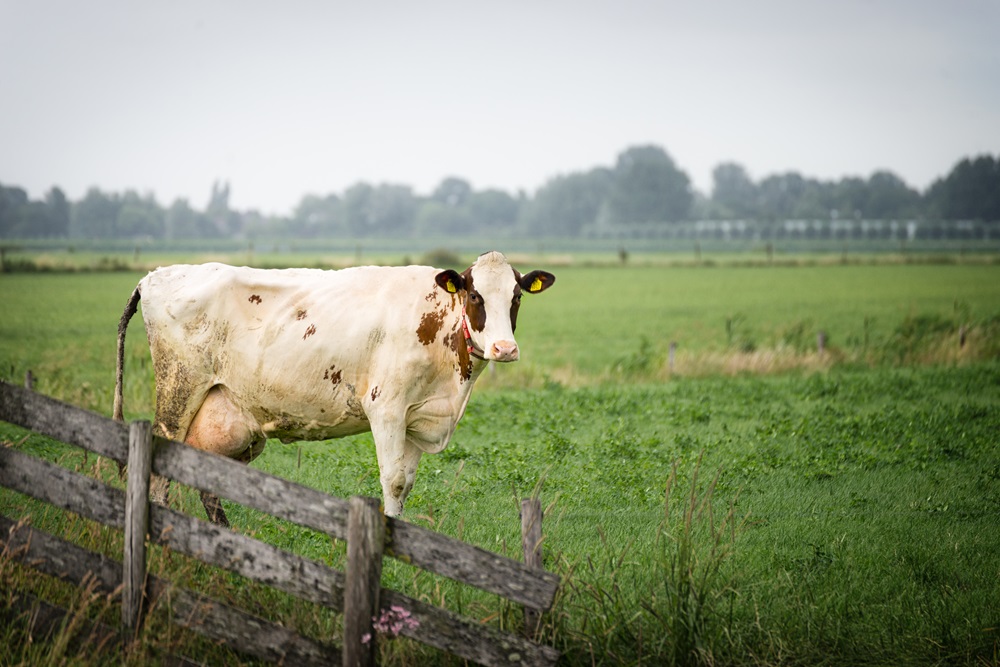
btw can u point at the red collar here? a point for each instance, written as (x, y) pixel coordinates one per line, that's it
(468, 338)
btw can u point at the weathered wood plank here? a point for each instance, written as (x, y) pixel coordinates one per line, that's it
(251, 487)
(63, 422)
(438, 627)
(58, 558)
(244, 632)
(465, 638)
(63, 488)
(140, 456)
(421, 547)
(365, 544)
(413, 544)
(255, 560)
(469, 564)
(531, 546)
(212, 544)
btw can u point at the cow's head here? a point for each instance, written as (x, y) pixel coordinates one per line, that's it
(492, 289)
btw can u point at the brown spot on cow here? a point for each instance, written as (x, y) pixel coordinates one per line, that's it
(515, 305)
(255, 298)
(475, 310)
(333, 375)
(456, 342)
(310, 330)
(301, 315)
(430, 325)
(376, 392)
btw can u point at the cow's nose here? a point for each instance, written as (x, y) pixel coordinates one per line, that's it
(505, 350)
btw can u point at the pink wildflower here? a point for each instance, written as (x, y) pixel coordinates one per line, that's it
(393, 620)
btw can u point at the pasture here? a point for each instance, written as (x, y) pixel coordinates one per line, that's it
(755, 502)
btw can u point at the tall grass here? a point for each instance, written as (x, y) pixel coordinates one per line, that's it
(693, 548)
(668, 605)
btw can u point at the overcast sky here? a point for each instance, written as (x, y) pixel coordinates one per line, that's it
(281, 99)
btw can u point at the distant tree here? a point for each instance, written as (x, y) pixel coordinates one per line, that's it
(358, 214)
(779, 195)
(20, 217)
(13, 200)
(792, 196)
(850, 197)
(57, 212)
(181, 221)
(34, 221)
(226, 221)
(889, 198)
(139, 217)
(452, 191)
(648, 187)
(375, 211)
(971, 191)
(317, 216)
(218, 202)
(447, 211)
(95, 215)
(567, 204)
(814, 201)
(435, 218)
(393, 209)
(455, 208)
(493, 210)
(734, 191)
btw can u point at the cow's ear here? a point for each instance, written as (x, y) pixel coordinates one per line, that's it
(536, 281)
(450, 281)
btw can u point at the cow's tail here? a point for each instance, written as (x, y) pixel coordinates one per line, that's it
(130, 308)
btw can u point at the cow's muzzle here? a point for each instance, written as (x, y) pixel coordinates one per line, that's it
(504, 350)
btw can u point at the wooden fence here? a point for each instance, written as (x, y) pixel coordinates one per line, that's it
(369, 534)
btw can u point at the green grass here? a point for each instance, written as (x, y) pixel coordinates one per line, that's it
(854, 518)
(596, 324)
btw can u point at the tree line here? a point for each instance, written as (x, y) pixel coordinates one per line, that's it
(644, 190)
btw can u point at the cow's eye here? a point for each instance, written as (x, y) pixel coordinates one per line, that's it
(517, 298)
(475, 298)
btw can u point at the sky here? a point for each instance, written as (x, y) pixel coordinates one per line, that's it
(284, 99)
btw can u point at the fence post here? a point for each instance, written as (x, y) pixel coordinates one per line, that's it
(140, 457)
(531, 545)
(365, 545)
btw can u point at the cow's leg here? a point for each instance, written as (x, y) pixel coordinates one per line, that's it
(397, 464)
(221, 427)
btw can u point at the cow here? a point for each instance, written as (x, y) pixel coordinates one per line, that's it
(242, 354)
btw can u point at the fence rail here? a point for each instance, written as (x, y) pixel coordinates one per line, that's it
(531, 587)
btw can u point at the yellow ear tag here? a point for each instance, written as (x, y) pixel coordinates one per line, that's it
(536, 285)
(451, 287)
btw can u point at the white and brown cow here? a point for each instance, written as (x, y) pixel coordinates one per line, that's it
(241, 355)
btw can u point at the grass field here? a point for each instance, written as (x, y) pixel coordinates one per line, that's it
(854, 516)
(596, 325)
